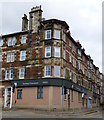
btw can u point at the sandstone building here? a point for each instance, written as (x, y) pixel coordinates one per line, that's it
(49, 69)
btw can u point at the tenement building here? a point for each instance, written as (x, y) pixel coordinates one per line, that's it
(43, 67)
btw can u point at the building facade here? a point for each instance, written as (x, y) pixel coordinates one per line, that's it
(43, 67)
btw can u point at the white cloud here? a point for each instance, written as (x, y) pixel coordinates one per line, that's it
(84, 18)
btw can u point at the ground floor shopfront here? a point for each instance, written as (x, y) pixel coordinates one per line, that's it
(46, 94)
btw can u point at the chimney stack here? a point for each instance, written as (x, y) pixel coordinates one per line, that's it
(35, 18)
(24, 23)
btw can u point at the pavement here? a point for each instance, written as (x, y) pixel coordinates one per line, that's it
(30, 113)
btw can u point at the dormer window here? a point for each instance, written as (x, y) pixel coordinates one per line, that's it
(57, 34)
(1, 43)
(48, 34)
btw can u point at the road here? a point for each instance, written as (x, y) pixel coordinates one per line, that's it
(33, 114)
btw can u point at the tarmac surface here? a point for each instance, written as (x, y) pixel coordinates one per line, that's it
(28, 113)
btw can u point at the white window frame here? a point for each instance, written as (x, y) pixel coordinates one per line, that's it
(23, 55)
(64, 72)
(21, 73)
(74, 62)
(47, 70)
(0, 57)
(64, 53)
(56, 70)
(46, 34)
(1, 42)
(11, 74)
(13, 40)
(70, 75)
(70, 43)
(57, 34)
(48, 51)
(57, 52)
(8, 57)
(9, 42)
(12, 57)
(6, 74)
(70, 58)
(23, 40)
(79, 52)
(64, 37)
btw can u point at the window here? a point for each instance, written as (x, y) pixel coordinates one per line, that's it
(1, 43)
(63, 53)
(6, 74)
(23, 55)
(19, 94)
(40, 92)
(70, 43)
(73, 48)
(57, 71)
(79, 65)
(74, 78)
(57, 34)
(9, 42)
(8, 57)
(0, 57)
(47, 70)
(48, 34)
(71, 95)
(64, 72)
(79, 52)
(70, 58)
(13, 41)
(79, 96)
(12, 57)
(23, 41)
(63, 36)
(11, 74)
(57, 51)
(21, 73)
(74, 64)
(48, 52)
(70, 75)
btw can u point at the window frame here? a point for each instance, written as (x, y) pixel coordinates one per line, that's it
(46, 71)
(0, 57)
(23, 40)
(56, 69)
(64, 53)
(46, 34)
(9, 41)
(8, 57)
(19, 94)
(22, 55)
(57, 51)
(56, 34)
(1, 42)
(11, 73)
(40, 92)
(48, 52)
(12, 57)
(13, 41)
(7, 74)
(21, 73)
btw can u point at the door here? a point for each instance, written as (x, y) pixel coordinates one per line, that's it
(8, 97)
